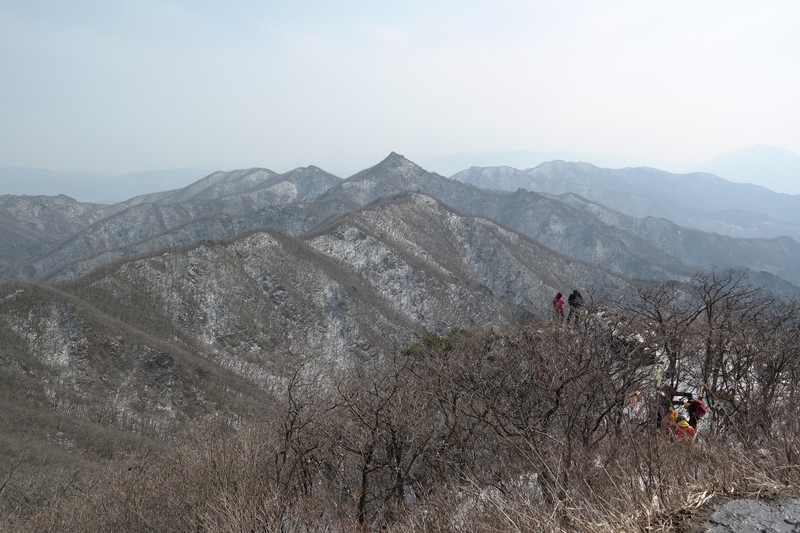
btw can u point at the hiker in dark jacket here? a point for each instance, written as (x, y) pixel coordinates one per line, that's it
(695, 409)
(575, 302)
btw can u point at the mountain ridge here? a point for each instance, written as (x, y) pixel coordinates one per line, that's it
(221, 208)
(696, 200)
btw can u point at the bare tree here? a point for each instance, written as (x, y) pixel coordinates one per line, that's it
(379, 431)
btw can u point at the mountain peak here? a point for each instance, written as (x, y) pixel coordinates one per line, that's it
(395, 160)
(395, 166)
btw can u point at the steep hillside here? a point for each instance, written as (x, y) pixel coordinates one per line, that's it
(31, 224)
(539, 424)
(702, 250)
(74, 377)
(219, 318)
(125, 357)
(102, 245)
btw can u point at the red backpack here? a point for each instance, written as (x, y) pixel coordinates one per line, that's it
(699, 408)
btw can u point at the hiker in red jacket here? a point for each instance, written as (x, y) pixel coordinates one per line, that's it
(683, 429)
(558, 306)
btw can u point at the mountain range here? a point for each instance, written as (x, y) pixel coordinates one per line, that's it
(775, 167)
(697, 200)
(639, 223)
(139, 316)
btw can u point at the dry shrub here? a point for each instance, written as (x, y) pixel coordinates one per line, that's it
(212, 483)
(640, 483)
(633, 481)
(521, 430)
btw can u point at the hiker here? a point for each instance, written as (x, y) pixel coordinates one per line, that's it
(683, 429)
(575, 301)
(633, 399)
(558, 306)
(695, 409)
(669, 419)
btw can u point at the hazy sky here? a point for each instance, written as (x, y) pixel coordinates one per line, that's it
(129, 85)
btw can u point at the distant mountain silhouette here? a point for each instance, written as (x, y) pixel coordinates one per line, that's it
(698, 200)
(776, 168)
(453, 163)
(94, 187)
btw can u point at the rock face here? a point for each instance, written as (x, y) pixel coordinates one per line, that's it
(740, 516)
